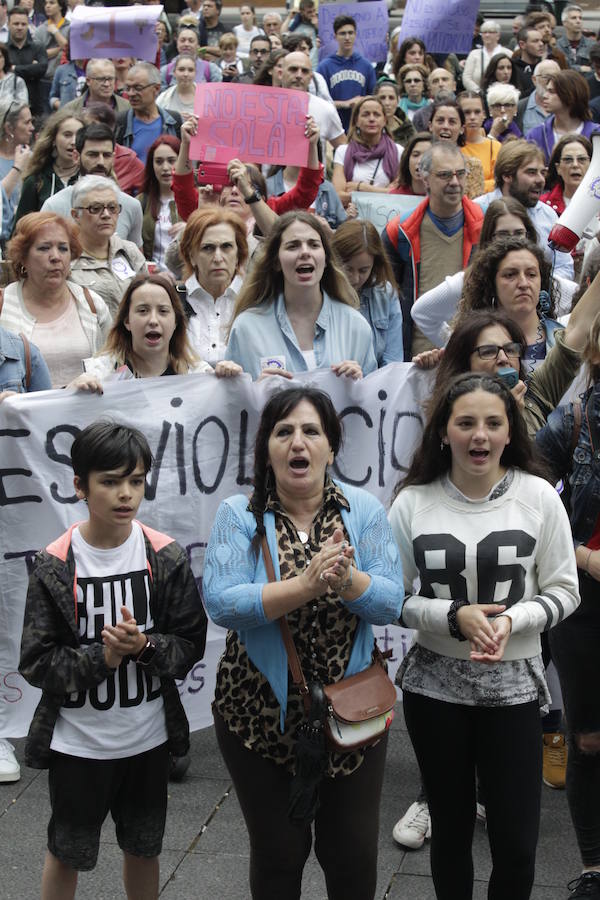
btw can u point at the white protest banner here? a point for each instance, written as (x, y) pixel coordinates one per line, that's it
(372, 23)
(446, 26)
(201, 430)
(107, 33)
(380, 208)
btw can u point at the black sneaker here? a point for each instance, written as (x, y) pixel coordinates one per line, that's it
(587, 885)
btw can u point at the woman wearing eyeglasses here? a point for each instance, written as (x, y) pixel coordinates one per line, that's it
(413, 83)
(568, 164)
(65, 321)
(107, 262)
(502, 101)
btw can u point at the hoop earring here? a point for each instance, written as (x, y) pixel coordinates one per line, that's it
(494, 304)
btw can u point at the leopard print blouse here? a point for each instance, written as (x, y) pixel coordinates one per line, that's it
(323, 632)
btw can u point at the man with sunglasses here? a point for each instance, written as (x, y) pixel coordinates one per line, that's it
(141, 125)
(260, 47)
(436, 240)
(95, 145)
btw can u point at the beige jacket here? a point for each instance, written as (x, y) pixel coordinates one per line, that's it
(110, 277)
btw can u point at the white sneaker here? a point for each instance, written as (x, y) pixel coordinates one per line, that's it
(9, 767)
(414, 826)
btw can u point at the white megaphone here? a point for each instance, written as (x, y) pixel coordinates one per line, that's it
(584, 205)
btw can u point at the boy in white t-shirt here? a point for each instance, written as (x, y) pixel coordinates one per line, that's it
(113, 616)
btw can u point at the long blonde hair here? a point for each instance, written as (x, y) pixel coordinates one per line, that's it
(265, 280)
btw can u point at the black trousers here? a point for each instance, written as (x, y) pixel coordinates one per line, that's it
(346, 826)
(575, 647)
(503, 744)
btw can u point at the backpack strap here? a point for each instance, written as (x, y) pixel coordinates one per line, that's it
(27, 348)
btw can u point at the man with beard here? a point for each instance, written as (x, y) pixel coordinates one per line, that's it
(436, 240)
(520, 172)
(95, 146)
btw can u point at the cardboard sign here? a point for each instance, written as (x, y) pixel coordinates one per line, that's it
(380, 208)
(250, 122)
(446, 26)
(107, 33)
(372, 23)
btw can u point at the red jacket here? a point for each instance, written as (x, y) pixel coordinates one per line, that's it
(402, 241)
(128, 169)
(555, 199)
(300, 197)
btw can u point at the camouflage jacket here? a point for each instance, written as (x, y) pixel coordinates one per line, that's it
(53, 659)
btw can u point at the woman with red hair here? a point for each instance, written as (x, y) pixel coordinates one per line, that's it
(161, 223)
(65, 321)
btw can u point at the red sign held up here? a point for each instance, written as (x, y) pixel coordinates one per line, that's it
(250, 122)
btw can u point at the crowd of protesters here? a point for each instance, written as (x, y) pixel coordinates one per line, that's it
(122, 254)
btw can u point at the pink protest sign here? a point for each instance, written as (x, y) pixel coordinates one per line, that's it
(108, 33)
(250, 122)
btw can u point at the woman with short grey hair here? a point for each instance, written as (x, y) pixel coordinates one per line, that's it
(479, 59)
(107, 262)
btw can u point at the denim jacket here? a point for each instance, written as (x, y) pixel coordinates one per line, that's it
(64, 84)
(171, 124)
(13, 366)
(265, 333)
(327, 203)
(581, 467)
(380, 306)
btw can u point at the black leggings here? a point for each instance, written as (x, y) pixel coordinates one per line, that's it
(575, 647)
(346, 825)
(504, 744)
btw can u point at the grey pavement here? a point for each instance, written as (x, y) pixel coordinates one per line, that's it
(205, 853)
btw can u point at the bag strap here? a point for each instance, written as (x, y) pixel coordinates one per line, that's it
(27, 348)
(90, 302)
(288, 641)
(576, 426)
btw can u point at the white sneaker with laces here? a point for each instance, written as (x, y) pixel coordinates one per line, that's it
(414, 826)
(9, 767)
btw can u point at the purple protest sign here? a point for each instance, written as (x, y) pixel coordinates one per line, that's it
(250, 122)
(372, 23)
(107, 33)
(446, 26)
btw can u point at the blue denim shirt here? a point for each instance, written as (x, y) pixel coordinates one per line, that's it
(582, 467)
(380, 306)
(327, 203)
(266, 331)
(64, 84)
(13, 369)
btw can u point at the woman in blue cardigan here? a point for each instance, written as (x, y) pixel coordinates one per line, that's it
(337, 573)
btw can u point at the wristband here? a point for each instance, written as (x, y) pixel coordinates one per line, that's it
(17, 169)
(455, 631)
(348, 582)
(358, 186)
(587, 562)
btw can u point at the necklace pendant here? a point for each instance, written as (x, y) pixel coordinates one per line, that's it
(303, 536)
